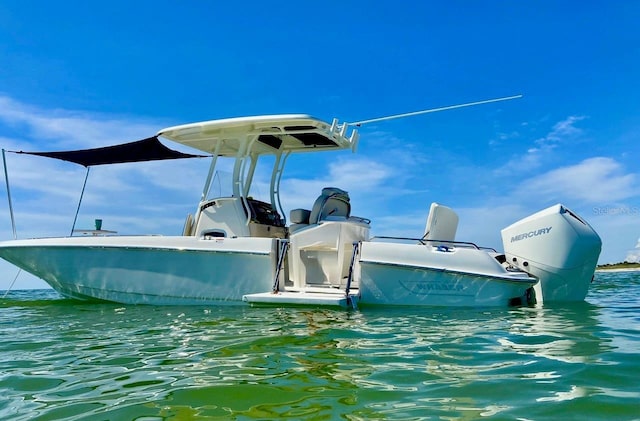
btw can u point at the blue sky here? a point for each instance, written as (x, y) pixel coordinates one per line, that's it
(78, 74)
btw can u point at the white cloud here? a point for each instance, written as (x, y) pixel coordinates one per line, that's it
(146, 197)
(482, 224)
(360, 177)
(594, 180)
(502, 137)
(71, 129)
(618, 231)
(402, 224)
(561, 132)
(634, 255)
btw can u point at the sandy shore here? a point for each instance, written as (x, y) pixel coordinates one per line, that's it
(618, 269)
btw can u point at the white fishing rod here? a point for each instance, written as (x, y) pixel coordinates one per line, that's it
(432, 110)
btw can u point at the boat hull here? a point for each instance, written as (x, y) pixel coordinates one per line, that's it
(386, 285)
(416, 275)
(148, 270)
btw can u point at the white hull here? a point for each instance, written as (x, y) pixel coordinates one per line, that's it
(400, 274)
(420, 275)
(383, 284)
(148, 270)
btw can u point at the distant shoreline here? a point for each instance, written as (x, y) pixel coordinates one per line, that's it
(618, 269)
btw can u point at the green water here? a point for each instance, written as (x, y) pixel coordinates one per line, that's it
(64, 359)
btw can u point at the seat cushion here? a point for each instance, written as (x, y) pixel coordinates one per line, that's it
(299, 216)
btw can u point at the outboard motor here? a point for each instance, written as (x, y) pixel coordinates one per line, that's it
(559, 248)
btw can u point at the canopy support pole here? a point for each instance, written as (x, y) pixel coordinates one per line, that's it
(6, 178)
(207, 183)
(212, 167)
(75, 218)
(276, 176)
(12, 283)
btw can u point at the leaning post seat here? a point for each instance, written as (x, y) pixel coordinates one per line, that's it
(332, 202)
(321, 241)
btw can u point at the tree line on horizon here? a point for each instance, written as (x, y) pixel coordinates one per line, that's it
(624, 264)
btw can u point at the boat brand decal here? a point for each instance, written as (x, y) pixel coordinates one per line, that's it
(523, 236)
(421, 288)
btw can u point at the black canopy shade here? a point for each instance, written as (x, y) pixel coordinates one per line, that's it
(149, 149)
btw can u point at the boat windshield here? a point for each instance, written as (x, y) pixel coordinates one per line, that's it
(260, 189)
(221, 185)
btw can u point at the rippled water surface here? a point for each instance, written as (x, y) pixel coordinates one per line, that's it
(64, 359)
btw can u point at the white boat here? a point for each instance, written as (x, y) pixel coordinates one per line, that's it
(237, 249)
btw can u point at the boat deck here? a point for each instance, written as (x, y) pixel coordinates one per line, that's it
(306, 297)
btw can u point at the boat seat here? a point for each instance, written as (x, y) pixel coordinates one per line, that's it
(299, 219)
(332, 202)
(442, 224)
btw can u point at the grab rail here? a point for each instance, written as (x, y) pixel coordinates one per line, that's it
(426, 242)
(282, 252)
(356, 248)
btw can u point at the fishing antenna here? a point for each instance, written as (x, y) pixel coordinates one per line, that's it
(432, 110)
